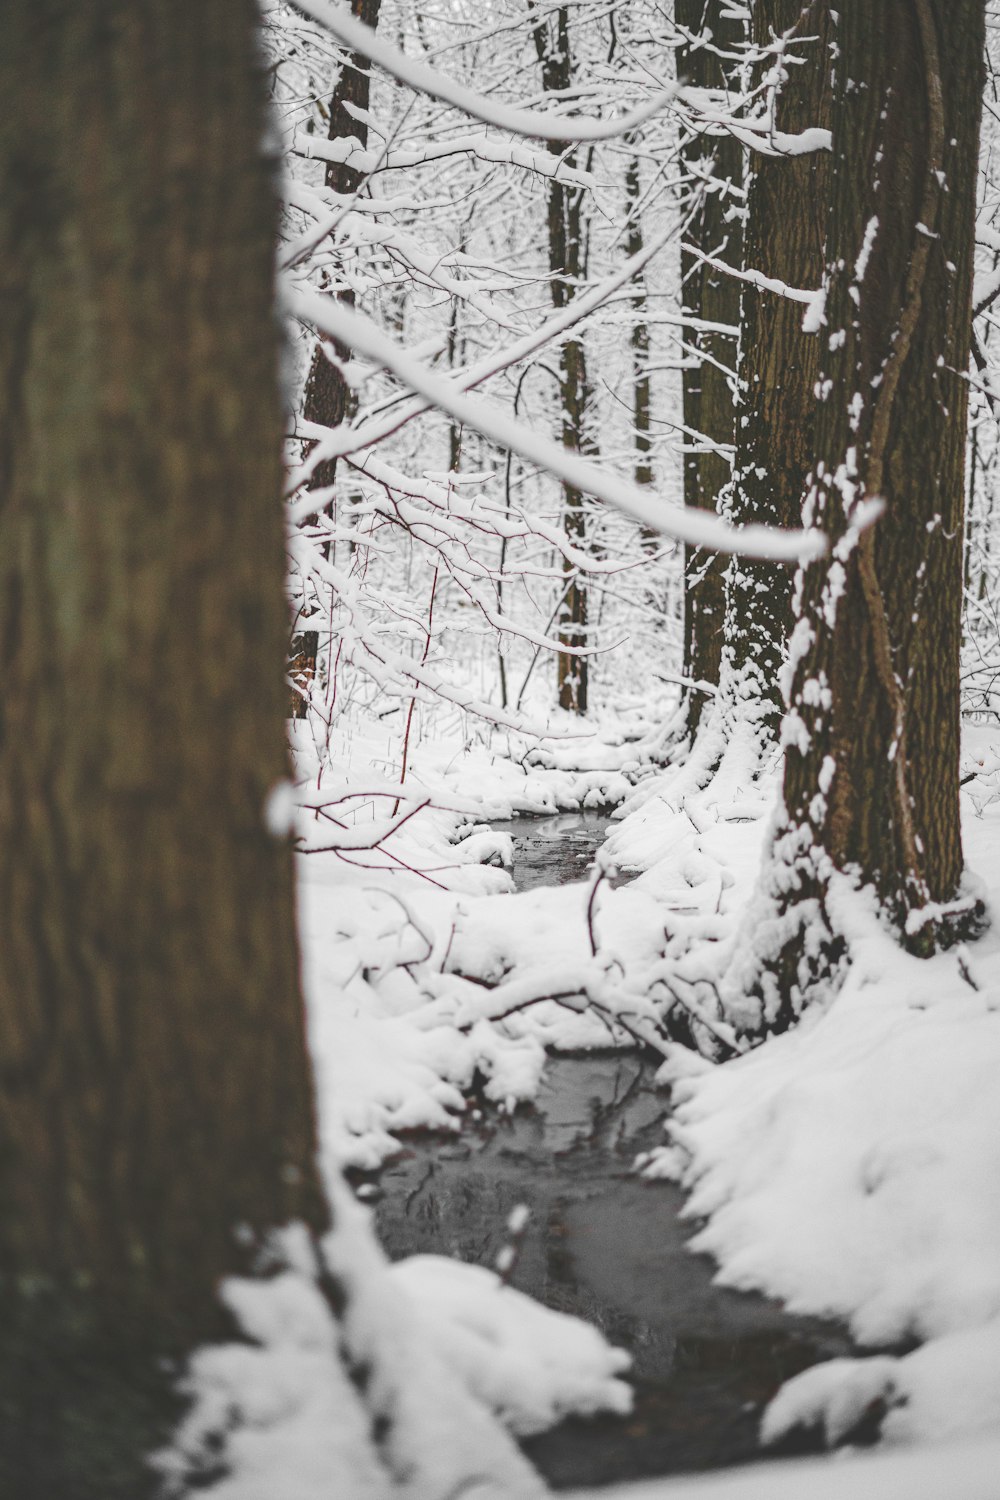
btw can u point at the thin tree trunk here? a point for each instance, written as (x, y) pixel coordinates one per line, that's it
(566, 255)
(328, 397)
(715, 229)
(639, 338)
(871, 778)
(454, 428)
(155, 1102)
(785, 239)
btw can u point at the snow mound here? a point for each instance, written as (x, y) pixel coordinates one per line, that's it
(530, 1365)
(412, 1392)
(279, 1415)
(836, 1396)
(852, 1166)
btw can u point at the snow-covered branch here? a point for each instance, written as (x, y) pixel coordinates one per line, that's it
(697, 528)
(424, 79)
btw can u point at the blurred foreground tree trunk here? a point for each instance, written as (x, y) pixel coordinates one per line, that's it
(871, 771)
(155, 1102)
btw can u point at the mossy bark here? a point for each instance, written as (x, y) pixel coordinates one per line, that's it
(156, 1117)
(871, 776)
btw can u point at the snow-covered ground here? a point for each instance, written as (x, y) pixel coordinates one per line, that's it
(399, 941)
(850, 1168)
(966, 1471)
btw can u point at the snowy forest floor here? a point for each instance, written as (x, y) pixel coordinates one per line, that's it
(850, 1168)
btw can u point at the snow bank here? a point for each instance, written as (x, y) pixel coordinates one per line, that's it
(530, 1365)
(451, 1359)
(847, 1165)
(277, 1415)
(952, 1472)
(852, 1168)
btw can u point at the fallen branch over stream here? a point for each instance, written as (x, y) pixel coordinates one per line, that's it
(596, 984)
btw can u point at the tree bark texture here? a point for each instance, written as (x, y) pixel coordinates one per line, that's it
(567, 245)
(710, 296)
(155, 1102)
(785, 239)
(328, 397)
(871, 778)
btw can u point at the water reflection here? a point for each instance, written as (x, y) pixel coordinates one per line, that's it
(608, 1247)
(556, 850)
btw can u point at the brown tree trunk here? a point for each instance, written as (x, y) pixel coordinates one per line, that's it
(328, 397)
(566, 255)
(155, 1102)
(785, 239)
(710, 296)
(871, 778)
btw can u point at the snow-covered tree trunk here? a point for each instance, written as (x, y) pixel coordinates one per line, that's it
(872, 731)
(784, 241)
(639, 339)
(155, 1100)
(329, 399)
(712, 300)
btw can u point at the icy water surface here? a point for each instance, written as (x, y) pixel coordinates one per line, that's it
(602, 1244)
(556, 850)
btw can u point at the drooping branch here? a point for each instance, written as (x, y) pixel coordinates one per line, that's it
(698, 528)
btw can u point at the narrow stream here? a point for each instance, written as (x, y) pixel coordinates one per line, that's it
(602, 1244)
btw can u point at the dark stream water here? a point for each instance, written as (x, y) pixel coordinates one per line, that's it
(556, 850)
(602, 1244)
